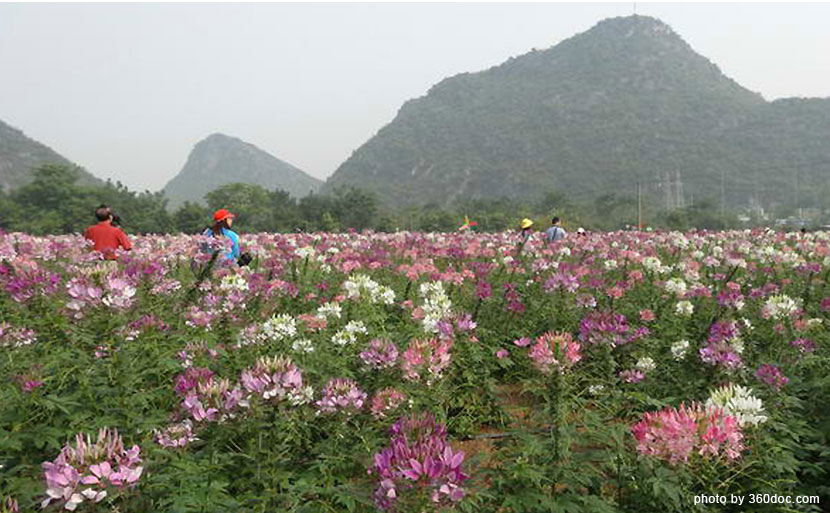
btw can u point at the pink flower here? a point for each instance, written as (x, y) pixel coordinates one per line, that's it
(522, 342)
(555, 352)
(676, 435)
(647, 315)
(386, 401)
(502, 354)
(341, 394)
(426, 358)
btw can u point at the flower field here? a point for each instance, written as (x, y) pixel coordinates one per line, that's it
(412, 372)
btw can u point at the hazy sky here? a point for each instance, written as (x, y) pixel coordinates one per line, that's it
(126, 90)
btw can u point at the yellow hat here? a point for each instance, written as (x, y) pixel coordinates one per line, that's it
(526, 223)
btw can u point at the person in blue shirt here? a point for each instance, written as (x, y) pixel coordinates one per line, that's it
(222, 221)
(555, 232)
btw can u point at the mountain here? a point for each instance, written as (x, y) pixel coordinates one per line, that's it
(19, 155)
(627, 101)
(220, 159)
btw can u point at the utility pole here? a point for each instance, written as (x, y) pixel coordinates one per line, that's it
(639, 207)
(681, 200)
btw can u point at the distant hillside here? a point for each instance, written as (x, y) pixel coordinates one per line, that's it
(220, 159)
(626, 101)
(19, 155)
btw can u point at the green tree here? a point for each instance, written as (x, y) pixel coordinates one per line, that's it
(191, 218)
(250, 203)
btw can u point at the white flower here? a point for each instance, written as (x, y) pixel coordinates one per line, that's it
(436, 305)
(329, 310)
(652, 263)
(342, 338)
(355, 327)
(279, 327)
(301, 396)
(304, 252)
(779, 307)
(565, 251)
(684, 308)
(595, 389)
(738, 402)
(646, 364)
(675, 286)
(303, 346)
(507, 260)
(360, 286)
(610, 264)
(679, 349)
(233, 282)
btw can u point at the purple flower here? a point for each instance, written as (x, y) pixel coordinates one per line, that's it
(804, 345)
(382, 354)
(772, 376)
(418, 458)
(632, 376)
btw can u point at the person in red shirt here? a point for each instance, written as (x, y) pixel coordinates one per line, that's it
(105, 237)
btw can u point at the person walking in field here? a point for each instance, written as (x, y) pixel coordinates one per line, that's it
(105, 237)
(555, 232)
(526, 230)
(221, 228)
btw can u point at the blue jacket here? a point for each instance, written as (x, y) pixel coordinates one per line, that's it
(235, 252)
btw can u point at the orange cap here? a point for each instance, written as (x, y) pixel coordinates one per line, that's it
(221, 215)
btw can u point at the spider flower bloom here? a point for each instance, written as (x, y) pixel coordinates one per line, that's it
(341, 394)
(723, 346)
(676, 434)
(739, 402)
(89, 471)
(11, 336)
(418, 457)
(804, 345)
(176, 435)
(426, 358)
(212, 400)
(190, 379)
(382, 354)
(555, 352)
(275, 377)
(772, 376)
(608, 328)
(386, 401)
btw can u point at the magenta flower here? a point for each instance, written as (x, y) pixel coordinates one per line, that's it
(772, 376)
(608, 328)
(418, 458)
(804, 345)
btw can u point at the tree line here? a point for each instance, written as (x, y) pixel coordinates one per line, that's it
(55, 203)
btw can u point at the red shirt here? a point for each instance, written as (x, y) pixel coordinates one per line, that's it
(107, 238)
